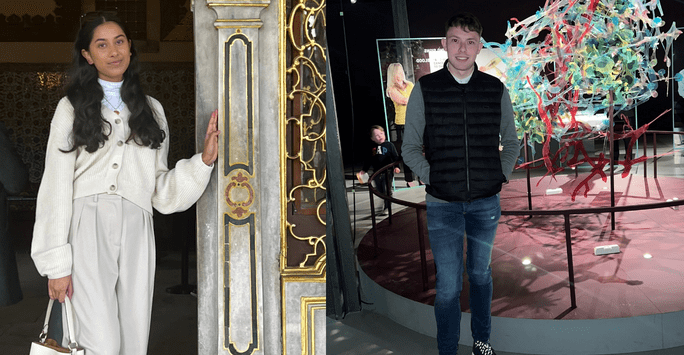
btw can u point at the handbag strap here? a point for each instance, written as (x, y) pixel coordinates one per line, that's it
(44, 332)
(66, 306)
(70, 323)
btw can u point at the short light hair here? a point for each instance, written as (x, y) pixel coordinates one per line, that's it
(466, 21)
(374, 127)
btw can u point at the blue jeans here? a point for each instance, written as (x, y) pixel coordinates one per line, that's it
(447, 223)
(381, 185)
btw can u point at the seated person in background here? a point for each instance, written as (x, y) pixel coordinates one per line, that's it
(382, 154)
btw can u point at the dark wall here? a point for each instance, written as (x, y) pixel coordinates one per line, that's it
(361, 107)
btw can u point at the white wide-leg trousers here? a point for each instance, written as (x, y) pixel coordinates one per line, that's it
(113, 249)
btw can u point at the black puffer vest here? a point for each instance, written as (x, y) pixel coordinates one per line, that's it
(461, 138)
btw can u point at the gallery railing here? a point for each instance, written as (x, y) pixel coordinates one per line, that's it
(421, 214)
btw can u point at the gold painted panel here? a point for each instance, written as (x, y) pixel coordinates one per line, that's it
(310, 306)
(241, 272)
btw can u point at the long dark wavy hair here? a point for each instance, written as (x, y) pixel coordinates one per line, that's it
(91, 130)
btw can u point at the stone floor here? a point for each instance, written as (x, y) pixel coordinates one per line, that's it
(174, 317)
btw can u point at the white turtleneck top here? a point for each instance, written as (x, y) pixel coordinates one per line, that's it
(112, 95)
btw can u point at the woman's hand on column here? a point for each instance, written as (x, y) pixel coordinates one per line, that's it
(210, 153)
(60, 288)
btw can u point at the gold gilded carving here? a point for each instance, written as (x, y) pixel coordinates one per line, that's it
(301, 296)
(238, 3)
(303, 248)
(238, 24)
(309, 307)
(315, 242)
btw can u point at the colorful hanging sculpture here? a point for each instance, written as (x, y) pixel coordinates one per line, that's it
(570, 57)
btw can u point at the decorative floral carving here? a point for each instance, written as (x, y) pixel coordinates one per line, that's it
(239, 208)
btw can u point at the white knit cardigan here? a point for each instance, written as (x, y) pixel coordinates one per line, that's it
(136, 173)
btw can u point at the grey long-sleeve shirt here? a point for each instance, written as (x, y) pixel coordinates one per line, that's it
(412, 147)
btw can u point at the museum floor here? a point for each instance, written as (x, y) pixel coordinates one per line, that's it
(370, 332)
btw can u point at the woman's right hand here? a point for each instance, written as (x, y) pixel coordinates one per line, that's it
(210, 152)
(60, 288)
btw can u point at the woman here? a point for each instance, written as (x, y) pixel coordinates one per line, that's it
(399, 90)
(105, 169)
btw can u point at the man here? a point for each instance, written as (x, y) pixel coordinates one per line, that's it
(461, 115)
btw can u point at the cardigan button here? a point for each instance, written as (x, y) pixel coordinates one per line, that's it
(119, 143)
(115, 165)
(112, 188)
(117, 121)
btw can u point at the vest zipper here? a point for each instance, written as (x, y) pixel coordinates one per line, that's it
(465, 128)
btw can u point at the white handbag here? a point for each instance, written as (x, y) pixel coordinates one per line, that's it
(50, 347)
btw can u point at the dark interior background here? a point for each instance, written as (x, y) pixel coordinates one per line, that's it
(354, 62)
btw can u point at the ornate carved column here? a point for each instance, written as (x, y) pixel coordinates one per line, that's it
(261, 275)
(240, 271)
